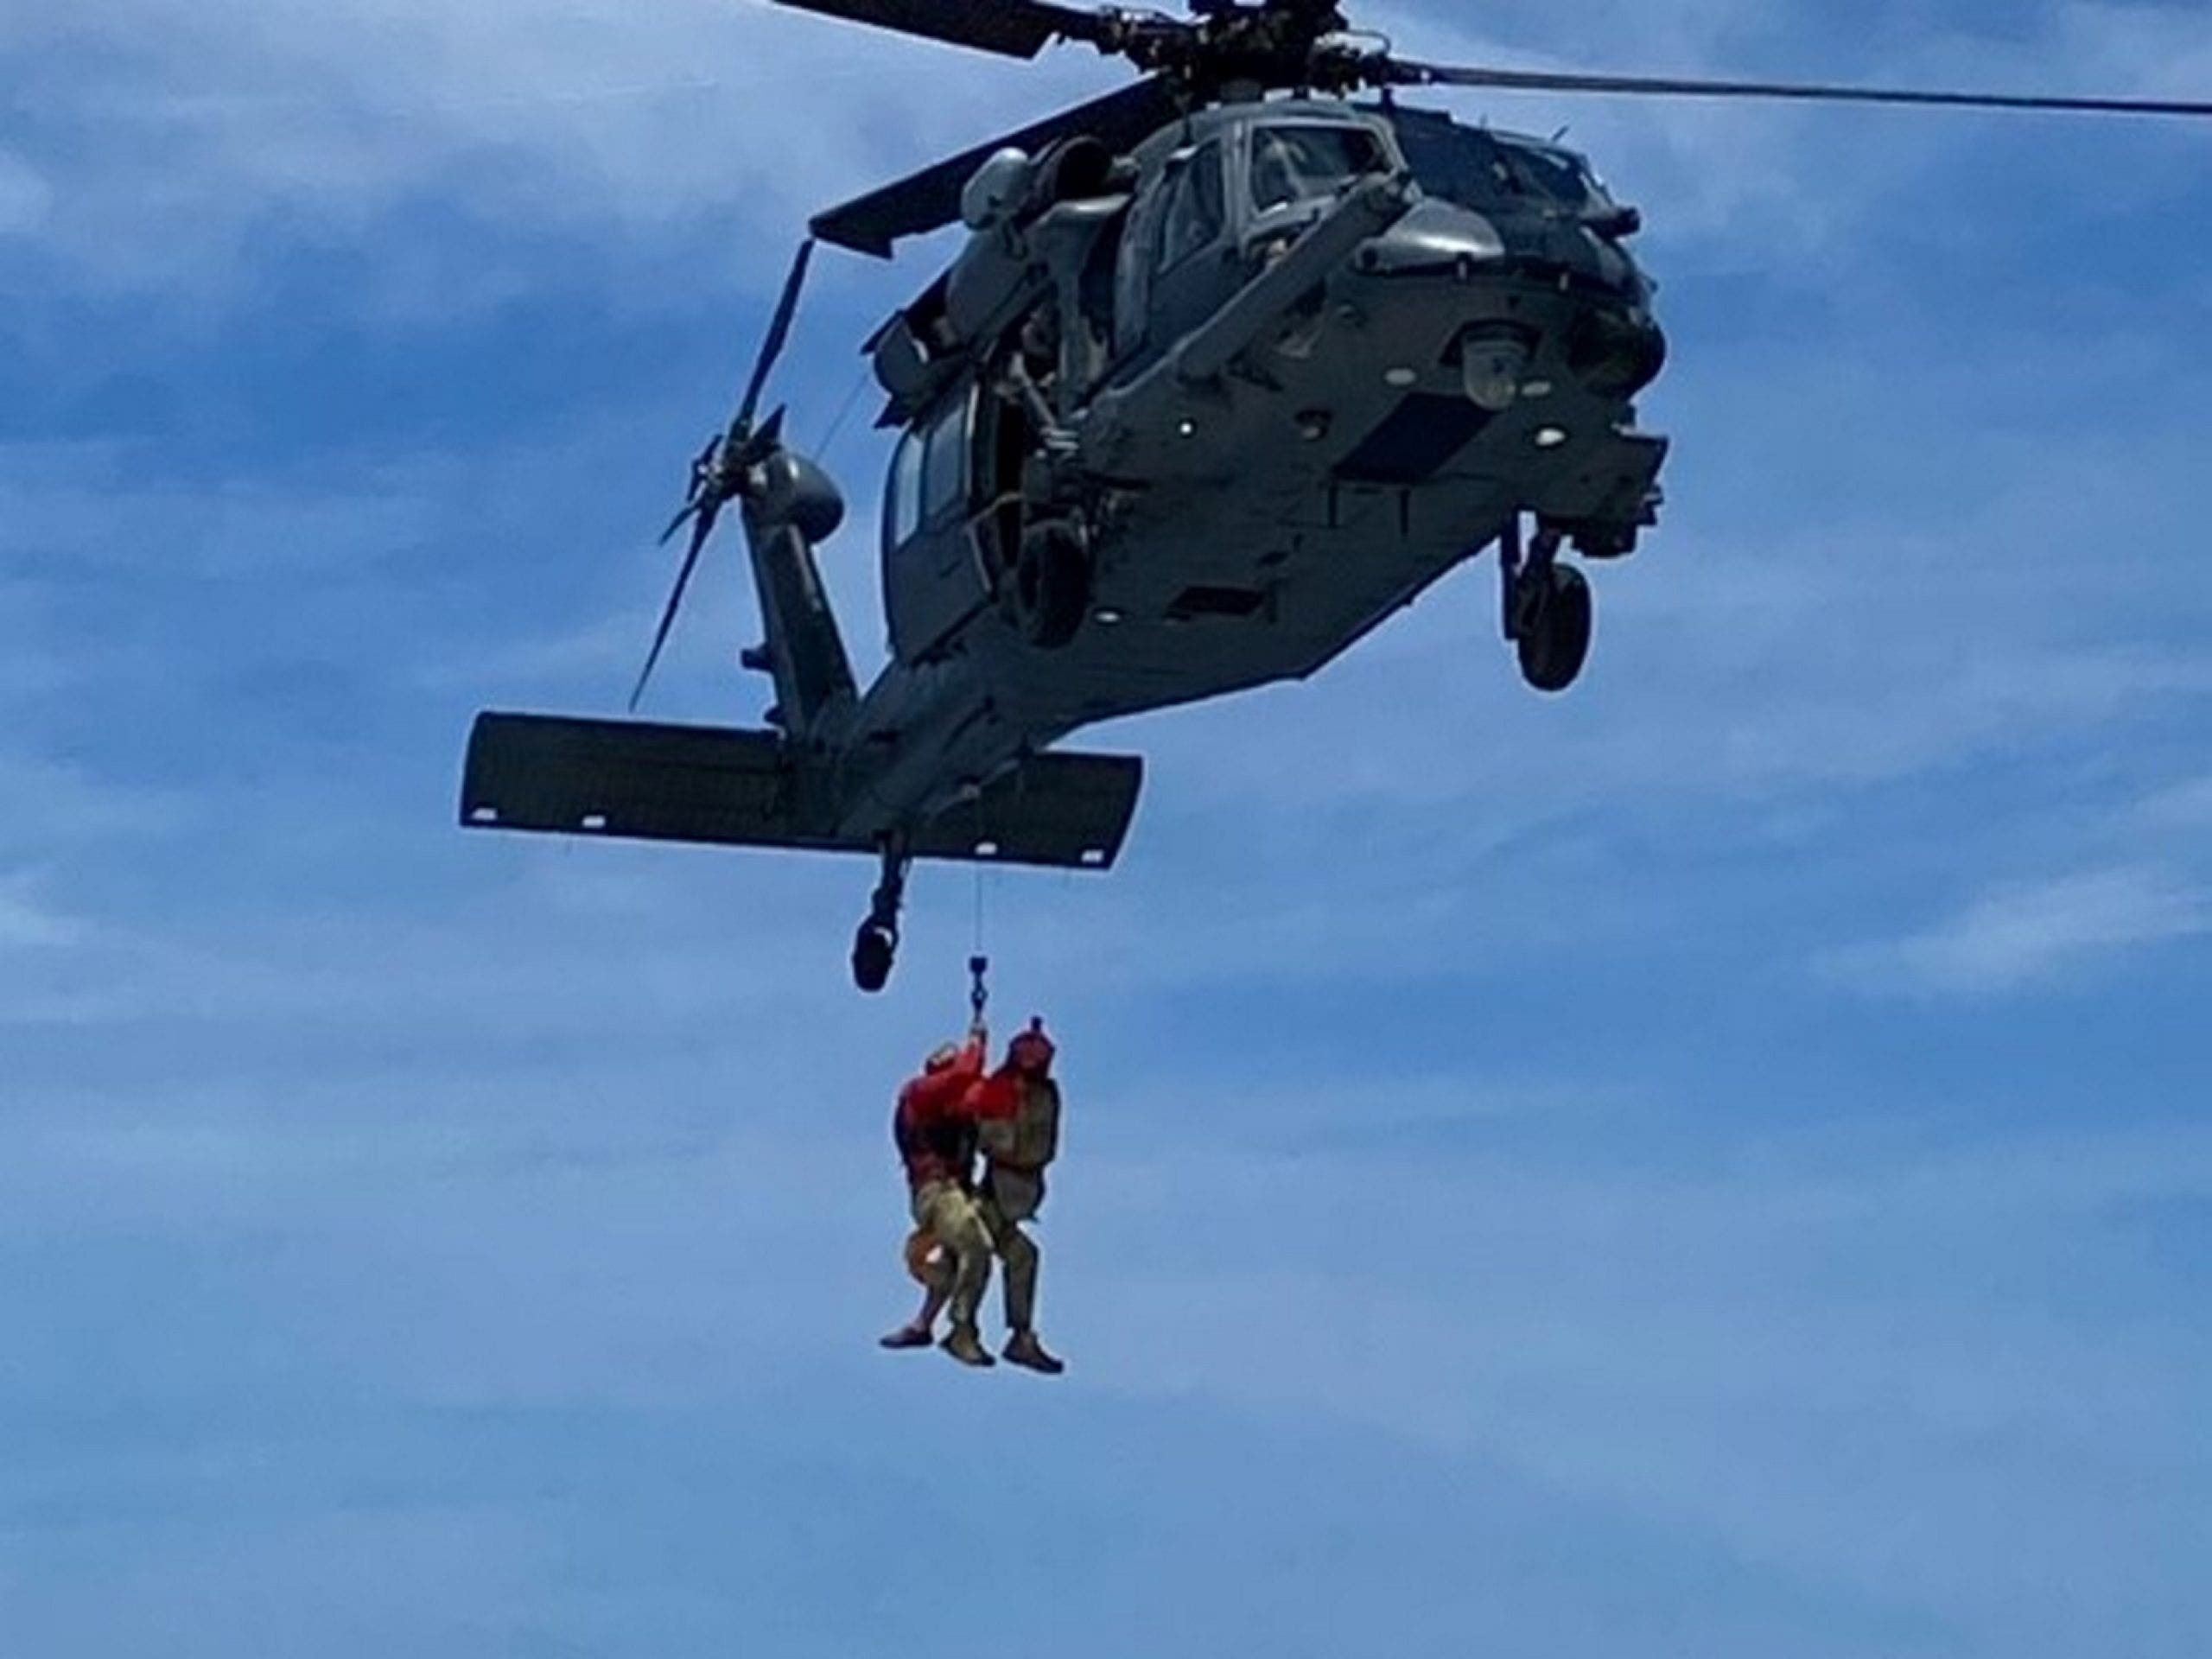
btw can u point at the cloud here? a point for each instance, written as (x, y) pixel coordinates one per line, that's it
(1470, 1202)
(1770, 1357)
(26, 920)
(76, 511)
(2023, 936)
(26, 198)
(184, 149)
(179, 151)
(57, 809)
(2186, 806)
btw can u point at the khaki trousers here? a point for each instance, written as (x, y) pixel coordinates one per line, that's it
(1016, 1249)
(957, 1224)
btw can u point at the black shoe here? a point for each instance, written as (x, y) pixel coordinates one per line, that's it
(1024, 1350)
(964, 1345)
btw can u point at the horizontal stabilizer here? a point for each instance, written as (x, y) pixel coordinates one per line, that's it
(1062, 811)
(710, 787)
(629, 781)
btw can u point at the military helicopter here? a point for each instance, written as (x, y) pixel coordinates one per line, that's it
(1232, 367)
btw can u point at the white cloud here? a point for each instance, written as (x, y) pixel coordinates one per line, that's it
(2185, 806)
(28, 920)
(201, 135)
(90, 507)
(1800, 1359)
(25, 197)
(2030, 935)
(56, 807)
(663, 131)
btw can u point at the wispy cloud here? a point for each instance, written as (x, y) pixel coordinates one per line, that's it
(26, 198)
(28, 919)
(163, 157)
(170, 150)
(2185, 806)
(2032, 934)
(1455, 1131)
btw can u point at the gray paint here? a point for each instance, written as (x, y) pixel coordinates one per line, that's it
(1270, 449)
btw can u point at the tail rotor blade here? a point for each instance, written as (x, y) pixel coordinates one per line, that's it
(717, 475)
(700, 529)
(689, 513)
(779, 333)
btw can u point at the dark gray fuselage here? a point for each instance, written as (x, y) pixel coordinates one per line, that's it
(1274, 465)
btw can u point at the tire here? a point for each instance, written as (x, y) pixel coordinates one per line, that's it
(1556, 643)
(1054, 585)
(875, 949)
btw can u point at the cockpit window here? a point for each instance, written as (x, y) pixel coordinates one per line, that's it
(1457, 164)
(1487, 170)
(1196, 209)
(1556, 176)
(1296, 164)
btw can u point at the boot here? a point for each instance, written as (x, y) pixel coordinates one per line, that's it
(906, 1336)
(964, 1345)
(1024, 1350)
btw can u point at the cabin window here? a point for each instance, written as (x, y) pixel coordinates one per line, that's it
(944, 466)
(905, 499)
(1198, 208)
(1296, 164)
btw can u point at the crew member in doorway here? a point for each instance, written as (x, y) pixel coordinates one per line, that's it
(1017, 1150)
(935, 1127)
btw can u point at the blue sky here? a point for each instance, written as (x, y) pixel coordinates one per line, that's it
(1716, 1164)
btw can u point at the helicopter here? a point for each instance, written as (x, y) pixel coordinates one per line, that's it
(1236, 363)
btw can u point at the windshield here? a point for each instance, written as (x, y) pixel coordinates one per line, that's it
(1556, 175)
(1491, 170)
(1296, 164)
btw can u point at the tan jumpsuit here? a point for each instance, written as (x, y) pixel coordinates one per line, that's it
(1017, 1151)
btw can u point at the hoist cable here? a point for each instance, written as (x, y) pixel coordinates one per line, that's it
(844, 414)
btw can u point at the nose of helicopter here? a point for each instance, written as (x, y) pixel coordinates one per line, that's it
(1433, 238)
(1530, 294)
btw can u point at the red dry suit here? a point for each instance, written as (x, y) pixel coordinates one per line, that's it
(936, 1123)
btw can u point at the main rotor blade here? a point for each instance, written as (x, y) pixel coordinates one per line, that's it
(703, 527)
(1013, 28)
(930, 200)
(1404, 73)
(779, 333)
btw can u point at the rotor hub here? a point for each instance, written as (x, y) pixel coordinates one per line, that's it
(1273, 47)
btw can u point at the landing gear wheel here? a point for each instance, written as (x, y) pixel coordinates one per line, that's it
(1053, 584)
(1553, 627)
(875, 949)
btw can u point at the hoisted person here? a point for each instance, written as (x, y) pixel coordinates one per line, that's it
(935, 1127)
(1018, 1148)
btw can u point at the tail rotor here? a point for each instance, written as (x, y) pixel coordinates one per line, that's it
(723, 470)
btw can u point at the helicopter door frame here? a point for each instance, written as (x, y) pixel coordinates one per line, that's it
(1147, 277)
(1133, 309)
(1192, 246)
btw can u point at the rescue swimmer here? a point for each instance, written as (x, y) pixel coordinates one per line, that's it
(944, 1118)
(1017, 1151)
